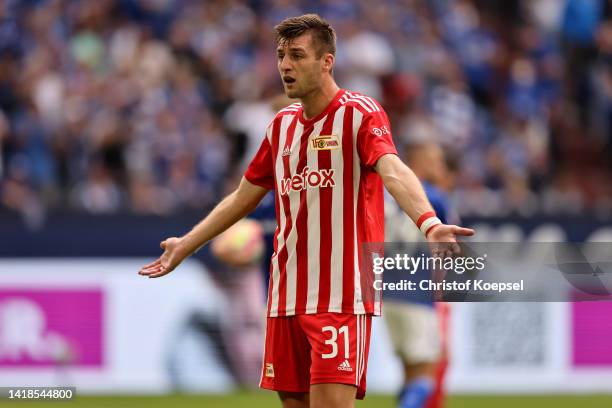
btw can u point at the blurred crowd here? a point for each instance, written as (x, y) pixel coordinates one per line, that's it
(155, 106)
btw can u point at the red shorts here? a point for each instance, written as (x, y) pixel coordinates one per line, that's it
(314, 349)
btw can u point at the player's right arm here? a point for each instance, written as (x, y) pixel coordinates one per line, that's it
(257, 180)
(231, 209)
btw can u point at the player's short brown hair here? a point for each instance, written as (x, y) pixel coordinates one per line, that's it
(323, 34)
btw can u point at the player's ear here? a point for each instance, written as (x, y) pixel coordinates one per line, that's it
(328, 62)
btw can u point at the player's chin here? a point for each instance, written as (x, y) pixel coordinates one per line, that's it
(292, 93)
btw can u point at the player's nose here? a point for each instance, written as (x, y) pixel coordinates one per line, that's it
(284, 65)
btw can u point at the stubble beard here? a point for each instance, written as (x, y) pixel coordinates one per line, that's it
(293, 93)
(299, 93)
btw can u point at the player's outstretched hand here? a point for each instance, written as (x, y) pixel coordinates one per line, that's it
(166, 263)
(443, 239)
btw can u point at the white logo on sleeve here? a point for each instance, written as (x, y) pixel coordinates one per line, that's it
(383, 130)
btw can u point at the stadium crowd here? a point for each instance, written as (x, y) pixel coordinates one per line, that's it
(154, 106)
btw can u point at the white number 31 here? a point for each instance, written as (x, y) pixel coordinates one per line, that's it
(333, 341)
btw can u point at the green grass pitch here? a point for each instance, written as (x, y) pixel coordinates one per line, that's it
(267, 399)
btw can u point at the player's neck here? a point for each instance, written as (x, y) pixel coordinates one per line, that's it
(315, 102)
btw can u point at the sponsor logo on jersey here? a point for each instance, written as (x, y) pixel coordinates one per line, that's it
(269, 370)
(308, 179)
(325, 142)
(383, 130)
(345, 366)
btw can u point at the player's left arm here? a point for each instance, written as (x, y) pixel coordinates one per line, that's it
(403, 185)
(407, 190)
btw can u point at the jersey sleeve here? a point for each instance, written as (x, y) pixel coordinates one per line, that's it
(261, 169)
(374, 138)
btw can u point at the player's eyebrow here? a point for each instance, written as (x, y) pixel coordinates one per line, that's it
(291, 49)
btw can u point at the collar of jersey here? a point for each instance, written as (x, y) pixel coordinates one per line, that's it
(328, 108)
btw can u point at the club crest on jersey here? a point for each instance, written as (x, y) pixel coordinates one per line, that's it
(324, 142)
(308, 179)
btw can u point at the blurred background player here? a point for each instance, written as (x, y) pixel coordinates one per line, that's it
(241, 248)
(415, 323)
(234, 261)
(239, 259)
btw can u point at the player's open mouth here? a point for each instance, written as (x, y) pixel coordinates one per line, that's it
(288, 80)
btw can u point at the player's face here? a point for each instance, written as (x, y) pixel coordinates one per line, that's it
(300, 68)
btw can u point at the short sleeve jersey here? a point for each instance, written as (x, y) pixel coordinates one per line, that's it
(329, 202)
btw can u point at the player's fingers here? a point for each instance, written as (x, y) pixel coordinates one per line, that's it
(149, 267)
(161, 272)
(466, 232)
(151, 264)
(151, 270)
(148, 271)
(162, 244)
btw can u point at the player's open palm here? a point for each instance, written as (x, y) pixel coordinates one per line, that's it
(443, 239)
(166, 263)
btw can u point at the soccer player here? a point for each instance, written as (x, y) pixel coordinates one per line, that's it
(326, 158)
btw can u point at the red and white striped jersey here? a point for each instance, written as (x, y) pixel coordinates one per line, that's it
(329, 201)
